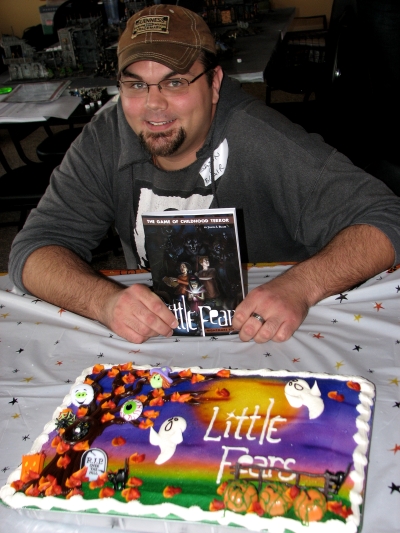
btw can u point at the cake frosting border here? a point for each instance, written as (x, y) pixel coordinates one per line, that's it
(250, 521)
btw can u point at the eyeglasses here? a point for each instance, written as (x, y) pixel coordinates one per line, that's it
(170, 87)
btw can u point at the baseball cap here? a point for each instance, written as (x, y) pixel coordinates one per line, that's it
(171, 35)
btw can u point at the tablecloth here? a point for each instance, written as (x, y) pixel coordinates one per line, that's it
(44, 348)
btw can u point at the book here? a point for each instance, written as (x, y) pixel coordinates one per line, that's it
(195, 263)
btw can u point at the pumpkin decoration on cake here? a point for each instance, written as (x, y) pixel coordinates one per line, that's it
(274, 500)
(310, 505)
(239, 496)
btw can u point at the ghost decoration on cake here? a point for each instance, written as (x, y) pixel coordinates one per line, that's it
(82, 394)
(168, 437)
(298, 393)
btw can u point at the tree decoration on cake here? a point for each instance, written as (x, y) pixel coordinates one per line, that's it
(239, 496)
(109, 396)
(310, 505)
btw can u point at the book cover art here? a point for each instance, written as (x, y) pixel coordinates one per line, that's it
(195, 264)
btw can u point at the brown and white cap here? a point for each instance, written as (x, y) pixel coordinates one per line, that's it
(168, 34)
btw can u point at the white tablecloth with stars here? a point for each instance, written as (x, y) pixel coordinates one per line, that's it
(43, 349)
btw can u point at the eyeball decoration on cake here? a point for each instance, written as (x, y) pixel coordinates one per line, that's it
(131, 410)
(299, 393)
(160, 377)
(82, 394)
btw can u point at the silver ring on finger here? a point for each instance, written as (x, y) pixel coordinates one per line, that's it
(258, 317)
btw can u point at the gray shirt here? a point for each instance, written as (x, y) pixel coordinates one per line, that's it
(293, 192)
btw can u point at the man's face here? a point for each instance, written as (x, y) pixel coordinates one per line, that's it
(173, 127)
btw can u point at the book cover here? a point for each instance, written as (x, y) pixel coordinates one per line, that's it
(194, 259)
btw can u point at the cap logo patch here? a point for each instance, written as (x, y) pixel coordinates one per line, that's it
(156, 24)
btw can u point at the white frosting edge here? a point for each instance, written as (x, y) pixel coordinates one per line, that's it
(18, 500)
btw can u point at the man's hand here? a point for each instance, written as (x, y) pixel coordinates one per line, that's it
(57, 275)
(356, 254)
(279, 303)
(137, 314)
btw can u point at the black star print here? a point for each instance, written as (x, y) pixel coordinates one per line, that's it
(341, 297)
(36, 301)
(13, 401)
(20, 350)
(267, 354)
(15, 371)
(100, 355)
(357, 347)
(213, 338)
(56, 342)
(396, 404)
(26, 437)
(397, 342)
(394, 488)
(370, 371)
(267, 276)
(177, 340)
(5, 469)
(111, 336)
(68, 381)
(19, 323)
(398, 288)
(1, 306)
(334, 321)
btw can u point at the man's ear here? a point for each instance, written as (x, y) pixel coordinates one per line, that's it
(216, 84)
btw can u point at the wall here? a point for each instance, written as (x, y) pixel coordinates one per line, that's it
(18, 15)
(21, 14)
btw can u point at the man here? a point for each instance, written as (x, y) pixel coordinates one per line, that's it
(184, 136)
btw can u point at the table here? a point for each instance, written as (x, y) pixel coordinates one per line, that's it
(43, 349)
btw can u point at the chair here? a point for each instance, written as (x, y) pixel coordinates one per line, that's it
(306, 61)
(53, 148)
(22, 188)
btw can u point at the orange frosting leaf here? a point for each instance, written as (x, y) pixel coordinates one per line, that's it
(158, 392)
(82, 411)
(170, 492)
(118, 441)
(113, 372)
(145, 424)
(185, 373)
(107, 492)
(196, 378)
(128, 378)
(353, 385)
(224, 393)
(88, 381)
(106, 417)
(17, 485)
(134, 482)
(119, 390)
(99, 482)
(108, 405)
(62, 447)
(157, 402)
(97, 369)
(334, 395)
(103, 396)
(151, 414)
(224, 373)
(74, 492)
(130, 494)
(63, 461)
(32, 491)
(222, 488)
(136, 458)
(55, 441)
(126, 366)
(216, 505)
